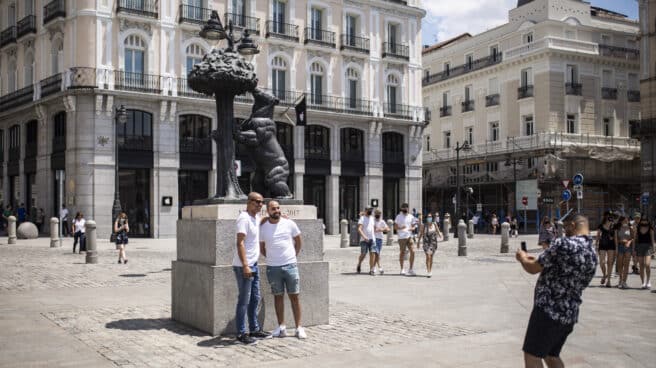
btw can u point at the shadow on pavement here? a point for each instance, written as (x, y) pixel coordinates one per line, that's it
(140, 324)
(133, 275)
(219, 341)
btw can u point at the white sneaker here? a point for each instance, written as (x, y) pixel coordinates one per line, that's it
(411, 272)
(381, 271)
(403, 272)
(300, 333)
(429, 274)
(280, 331)
(648, 286)
(375, 269)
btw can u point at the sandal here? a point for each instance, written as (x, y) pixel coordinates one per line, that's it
(603, 280)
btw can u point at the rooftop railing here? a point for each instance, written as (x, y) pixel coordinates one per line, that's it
(463, 69)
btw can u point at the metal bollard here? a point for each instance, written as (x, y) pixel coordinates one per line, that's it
(92, 252)
(505, 235)
(470, 229)
(462, 239)
(11, 230)
(447, 229)
(390, 233)
(344, 242)
(55, 241)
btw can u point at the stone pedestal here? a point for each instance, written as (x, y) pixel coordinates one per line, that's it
(204, 289)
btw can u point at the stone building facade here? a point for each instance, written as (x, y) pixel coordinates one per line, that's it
(65, 66)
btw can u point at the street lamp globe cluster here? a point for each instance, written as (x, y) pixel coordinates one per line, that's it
(120, 117)
(459, 147)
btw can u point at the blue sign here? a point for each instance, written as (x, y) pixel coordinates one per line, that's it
(644, 199)
(567, 195)
(577, 179)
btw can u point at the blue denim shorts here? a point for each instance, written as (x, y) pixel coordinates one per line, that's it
(379, 245)
(367, 246)
(284, 277)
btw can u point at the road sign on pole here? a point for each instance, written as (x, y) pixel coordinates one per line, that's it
(579, 194)
(567, 195)
(577, 179)
(578, 187)
(565, 183)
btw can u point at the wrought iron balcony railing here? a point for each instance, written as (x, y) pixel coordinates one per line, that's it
(283, 31)
(25, 26)
(51, 85)
(445, 111)
(608, 93)
(195, 145)
(525, 91)
(54, 9)
(492, 100)
(575, 89)
(397, 111)
(242, 21)
(320, 37)
(351, 42)
(8, 36)
(186, 91)
(396, 50)
(287, 98)
(467, 105)
(137, 82)
(193, 14)
(339, 104)
(463, 69)
(145, 8)
(16, 98)
(633, 95)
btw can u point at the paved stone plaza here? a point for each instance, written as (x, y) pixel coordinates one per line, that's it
(57, 311)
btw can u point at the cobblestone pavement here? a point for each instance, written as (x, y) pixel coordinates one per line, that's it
(147, 337)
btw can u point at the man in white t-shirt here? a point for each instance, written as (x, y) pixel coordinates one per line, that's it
(367, 237)
(380, 228)
(244, 264)
(280, 243)
(404, 226)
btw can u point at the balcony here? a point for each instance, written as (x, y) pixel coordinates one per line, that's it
(136, 82)
(51, 85)
(82, 78)
(17, 98)
(467, 105)
(608, 93)
(287, 98)
(525, 91)
(396, 50)
(8, 36)
(186, 91)
(319, 37)
(397, 111)
(574, 89)
(463, 69)
(283, 31)
(633, 95)
(240, 21)
(445, 111)
(142, 8)
(427, 115)
(340, 104)
(492, 100)
(193, 14)
(26, 26)
(59, 143)
(54, 9)
(619, 52)
(196, 145)
(358, 44)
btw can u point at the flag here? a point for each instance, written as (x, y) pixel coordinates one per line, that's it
(301, 112)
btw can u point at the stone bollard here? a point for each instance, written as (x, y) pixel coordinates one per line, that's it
(11, 230)
(447, 229)
(505, 235)
(470, 229)
(54, 233)
(90, 232)
(344, 243)
(462, 239)
(390, 233)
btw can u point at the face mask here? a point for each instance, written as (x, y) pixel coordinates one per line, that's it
(377, 216)
(404, 211)
(429, 220)
(368, 213)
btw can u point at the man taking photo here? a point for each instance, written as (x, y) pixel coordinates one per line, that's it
(565, 268)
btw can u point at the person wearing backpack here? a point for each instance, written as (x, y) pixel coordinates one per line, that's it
(605, 244)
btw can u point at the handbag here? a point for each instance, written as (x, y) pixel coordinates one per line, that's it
(112, 237)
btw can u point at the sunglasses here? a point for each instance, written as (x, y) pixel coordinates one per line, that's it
(257, 201)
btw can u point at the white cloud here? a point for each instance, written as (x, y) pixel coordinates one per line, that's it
(448, 18)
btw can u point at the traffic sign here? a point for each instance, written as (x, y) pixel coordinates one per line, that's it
(567, 195)
(578, 187)
(579, 194)
(644, 199)
(547, 200)
(525, 201)
(577, 179)
(565, 183)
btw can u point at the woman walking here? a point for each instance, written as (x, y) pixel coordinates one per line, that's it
(79, 232)
(624, 248)
(605, 245)
(644, 249)
(547, 233)
(494, 223)
(430, 234)
(121, 228)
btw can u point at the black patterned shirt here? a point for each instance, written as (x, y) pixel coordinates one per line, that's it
(569, 265)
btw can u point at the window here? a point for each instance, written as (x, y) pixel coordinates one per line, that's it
(29, 7)
(427, 73)
(393, 148)
(28, 69)
(606, 78)
(59, 134)
(445, 99)
(492, 166)
(494, 53)
(392, 35)
(353, 77)
(428, 143)
(447, 139)
(469, 61)
(279, 16)
(447, 69)
(136, 133)
(572, 74)
(11, 76)
(528, 37)
(239, 9)
(468, 93)
(633, 82)
(527, 77)
(11, 15)
(392, 92)
(194, 56)
(352, 144)
(351, 29)
(607, 127)
(57, 56)
(279, 77)
(531, 162)
(316, 83)
(317, 142)
(494, 131)
(571, 123)
(528, 125)
(469, 133)
(316, 24)
(134, 55)
(605, 39)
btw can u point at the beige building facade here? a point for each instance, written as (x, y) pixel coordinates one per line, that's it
(645, 129)
(65, 66)
(543, 97)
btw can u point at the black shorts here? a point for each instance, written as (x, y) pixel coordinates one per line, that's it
(544, 336)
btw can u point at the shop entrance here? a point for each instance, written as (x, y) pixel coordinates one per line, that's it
(134, 185)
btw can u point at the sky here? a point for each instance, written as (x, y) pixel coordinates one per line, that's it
(448, 18)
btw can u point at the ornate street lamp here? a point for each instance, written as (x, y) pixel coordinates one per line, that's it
(120, 117)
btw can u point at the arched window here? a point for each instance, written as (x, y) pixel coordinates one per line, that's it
(352, 77)
(317, 142)
(195, 54)
(28, 72)
(393, 148)
(279, 77)
(195, 134)
(351, 144)
(316, 83)
(136, 134)
(57, 56)
(135, 50)
(392, 92)
(59, 134)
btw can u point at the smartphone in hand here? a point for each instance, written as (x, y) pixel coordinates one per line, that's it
(523, 245)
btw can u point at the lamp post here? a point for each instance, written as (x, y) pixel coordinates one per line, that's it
(464, 146)
(514, 163)
(120, 117)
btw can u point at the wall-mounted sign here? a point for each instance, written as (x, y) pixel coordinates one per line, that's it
(167, 201)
